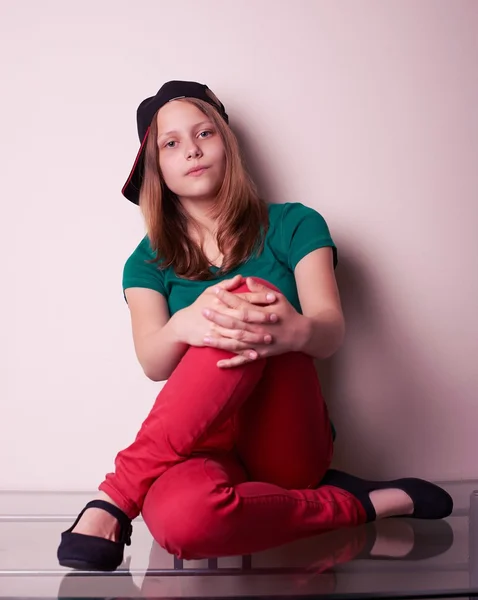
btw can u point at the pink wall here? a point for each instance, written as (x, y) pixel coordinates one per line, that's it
(366, 111)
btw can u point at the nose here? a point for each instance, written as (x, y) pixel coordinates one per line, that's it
(193, 151)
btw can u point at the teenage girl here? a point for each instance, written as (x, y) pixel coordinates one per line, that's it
(231, 300)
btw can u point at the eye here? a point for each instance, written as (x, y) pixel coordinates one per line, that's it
(205, 134)
(168, 144)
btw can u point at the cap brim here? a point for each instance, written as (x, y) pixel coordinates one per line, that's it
(133, 184)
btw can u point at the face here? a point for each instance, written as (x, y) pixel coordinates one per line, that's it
(188, 140)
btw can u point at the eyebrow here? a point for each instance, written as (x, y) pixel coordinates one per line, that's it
(166, 133)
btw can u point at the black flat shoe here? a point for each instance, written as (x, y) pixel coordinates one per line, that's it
(430, 539)
(429, 500)
(92, 553)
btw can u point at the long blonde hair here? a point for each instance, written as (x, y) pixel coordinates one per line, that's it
(242, 216)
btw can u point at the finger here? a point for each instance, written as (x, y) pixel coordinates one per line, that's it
(235, 300)
(253, 315)
(239, 319)
(255, 286)
(223, 343)
(244, 312)
(223, 319)
(235, 361)
(242, 316)
(258, 297)
(242, 335)
(230, 284)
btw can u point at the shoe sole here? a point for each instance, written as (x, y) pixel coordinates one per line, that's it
(80, 565)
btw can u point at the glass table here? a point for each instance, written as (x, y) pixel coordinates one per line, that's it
(393, 558)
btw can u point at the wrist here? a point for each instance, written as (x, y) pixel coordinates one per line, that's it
(302, 333)
(178, 334)
(322, 335)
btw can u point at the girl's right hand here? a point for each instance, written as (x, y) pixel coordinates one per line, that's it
(191, 326)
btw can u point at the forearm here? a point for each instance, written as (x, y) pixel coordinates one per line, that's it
(161, 351)
(322, 335)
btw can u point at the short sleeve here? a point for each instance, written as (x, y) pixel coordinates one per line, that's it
(304, 230)
(138, 272)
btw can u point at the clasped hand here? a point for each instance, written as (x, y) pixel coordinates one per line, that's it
(252, 325)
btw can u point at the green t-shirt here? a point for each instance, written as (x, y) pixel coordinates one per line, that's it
(294, 231)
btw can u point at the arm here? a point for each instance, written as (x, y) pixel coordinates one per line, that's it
(156, 343)
(160, 341)
(322, 330)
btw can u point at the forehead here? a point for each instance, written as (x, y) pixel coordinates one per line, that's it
(178, 115)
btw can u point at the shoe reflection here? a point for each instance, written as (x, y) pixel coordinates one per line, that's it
(389, 539)
(114, 586)
(310, 562)
(305, 566)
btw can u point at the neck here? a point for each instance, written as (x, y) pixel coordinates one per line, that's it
(200, 212)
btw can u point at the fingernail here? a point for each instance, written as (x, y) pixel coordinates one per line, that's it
(270, 297)
(206, 312)
(252, 355)
(217, 290)
(267, 339)
(207, 340)
(273, 317)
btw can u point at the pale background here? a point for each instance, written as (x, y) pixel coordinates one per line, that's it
(366, 111)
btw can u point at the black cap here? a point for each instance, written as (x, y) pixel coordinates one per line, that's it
(172, 90)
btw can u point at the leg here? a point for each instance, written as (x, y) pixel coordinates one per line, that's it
(284, 437)
(206, 507)
(196, 400)
(283, 431)
(196, 403)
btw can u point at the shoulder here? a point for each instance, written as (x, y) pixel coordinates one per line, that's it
(289, 211)
(143, 250)
(301, 229)
(142, 254)
(290, 216)
(141, 265)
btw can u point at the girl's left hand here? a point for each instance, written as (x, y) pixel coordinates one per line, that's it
(285, 330)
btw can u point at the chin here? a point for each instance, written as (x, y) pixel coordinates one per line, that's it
(200, 190)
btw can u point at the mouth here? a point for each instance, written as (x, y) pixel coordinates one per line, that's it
(196, 171)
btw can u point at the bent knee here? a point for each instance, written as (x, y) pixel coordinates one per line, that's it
(189, 524)
(192, 533)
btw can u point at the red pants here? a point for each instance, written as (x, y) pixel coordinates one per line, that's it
(229, 461)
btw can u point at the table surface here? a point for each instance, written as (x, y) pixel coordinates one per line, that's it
(393, 558)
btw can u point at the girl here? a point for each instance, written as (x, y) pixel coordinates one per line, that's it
(231, 300)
